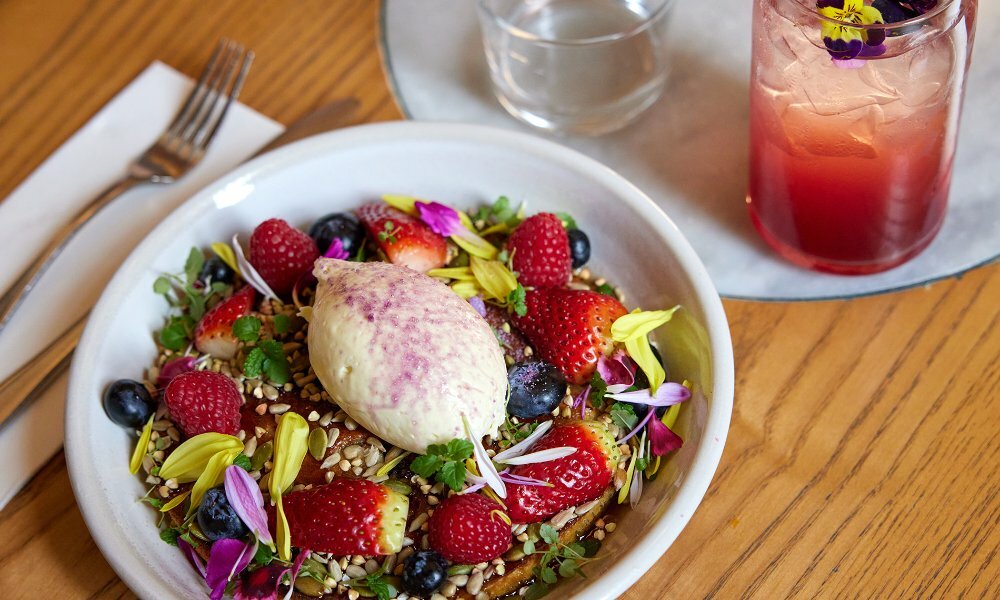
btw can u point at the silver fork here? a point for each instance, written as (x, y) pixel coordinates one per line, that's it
(177, 151)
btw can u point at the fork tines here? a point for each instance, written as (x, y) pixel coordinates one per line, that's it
(198, 120)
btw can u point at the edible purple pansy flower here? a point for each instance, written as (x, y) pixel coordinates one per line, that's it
(443, 220)
(336, 250)
(227, 559)
(191, 556)
(244, 496)
(845, 42)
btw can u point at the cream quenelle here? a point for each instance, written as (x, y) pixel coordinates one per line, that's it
(404, 355)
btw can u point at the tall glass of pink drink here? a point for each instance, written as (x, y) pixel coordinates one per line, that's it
(853, 126)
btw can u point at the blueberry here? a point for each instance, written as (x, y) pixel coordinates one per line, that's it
(342, 226)
(579, 247)
(128, 403)
(424, 572)
(216, 516)
(535, 389)
(216, 271)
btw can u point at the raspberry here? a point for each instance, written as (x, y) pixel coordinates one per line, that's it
(468, 529)
(281, 254)
(539, 249)
(202, 401)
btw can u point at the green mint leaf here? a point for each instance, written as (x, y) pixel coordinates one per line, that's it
(264, 555)
(516, 300)
(196, 303)
(162, 286)
(536, 591)
(568, 221)
(438, 449)
(173, 337)
(597, 390)
(459, 449)
(282, 323)
(379, 586)
(623, 415)
(192, 266)
(243, 461)
(247, 328)
(278, 371)
(549, 533)
(502, 204)
(253, 366)
(529, 547)
(549, 575)
(452, 474)
(607, 290)
(426, 465)
(272, 349)
(170, 536)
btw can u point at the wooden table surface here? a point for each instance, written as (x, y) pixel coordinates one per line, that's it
(863, 458)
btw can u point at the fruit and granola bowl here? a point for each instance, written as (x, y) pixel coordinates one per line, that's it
(299, 386)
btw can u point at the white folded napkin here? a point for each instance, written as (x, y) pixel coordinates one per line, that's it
(93, 158)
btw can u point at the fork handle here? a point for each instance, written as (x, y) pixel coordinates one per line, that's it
(13, 297)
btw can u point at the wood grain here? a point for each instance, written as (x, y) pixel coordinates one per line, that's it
(863, 459)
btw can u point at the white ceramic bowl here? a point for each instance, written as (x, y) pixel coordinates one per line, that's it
(634, 244)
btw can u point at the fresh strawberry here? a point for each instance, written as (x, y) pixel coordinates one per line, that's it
(405, 240)
(570, 328)
(281, 254)
(469, 529)
(577, 478)
(202, 401)
(214, 334)
(539, 250)
(346, 516)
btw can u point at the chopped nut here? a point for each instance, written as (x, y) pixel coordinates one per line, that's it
(278, 408)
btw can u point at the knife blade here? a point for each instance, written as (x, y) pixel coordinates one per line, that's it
(27, 383)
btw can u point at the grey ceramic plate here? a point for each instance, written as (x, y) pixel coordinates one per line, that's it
(689, 152)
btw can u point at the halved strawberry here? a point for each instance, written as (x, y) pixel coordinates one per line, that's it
(577, 478)
(346, 516)
(214, 334)
(405, 240)
(570, 328)
(539, 251)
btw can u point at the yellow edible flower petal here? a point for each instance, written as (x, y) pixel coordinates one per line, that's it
(212, 476)
(623, 493)
(284, 536)
(466, 289)
(460, 273)
(496, 280)
(290, 446)
(389, 466)
(632, 330)
(225, 252)
(175, 501)
(476, 246)
(188, 461)
(140, 447)
(401, 202)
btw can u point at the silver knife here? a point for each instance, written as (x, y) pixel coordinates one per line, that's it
(27, 383)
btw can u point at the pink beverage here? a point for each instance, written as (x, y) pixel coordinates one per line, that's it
(853, 124)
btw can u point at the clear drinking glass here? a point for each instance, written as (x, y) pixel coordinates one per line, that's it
(576, 66)
(851, 158)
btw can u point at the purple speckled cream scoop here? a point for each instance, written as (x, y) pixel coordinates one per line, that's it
(404, 355)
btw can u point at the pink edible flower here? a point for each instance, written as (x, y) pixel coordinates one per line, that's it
(661, 439)
(262, 583)
(618, 372)
(336, 250)
(244, 496)
(443, 220)
(173, 368)
(226, 560)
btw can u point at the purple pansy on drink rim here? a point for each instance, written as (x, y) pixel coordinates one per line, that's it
(847, 44)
